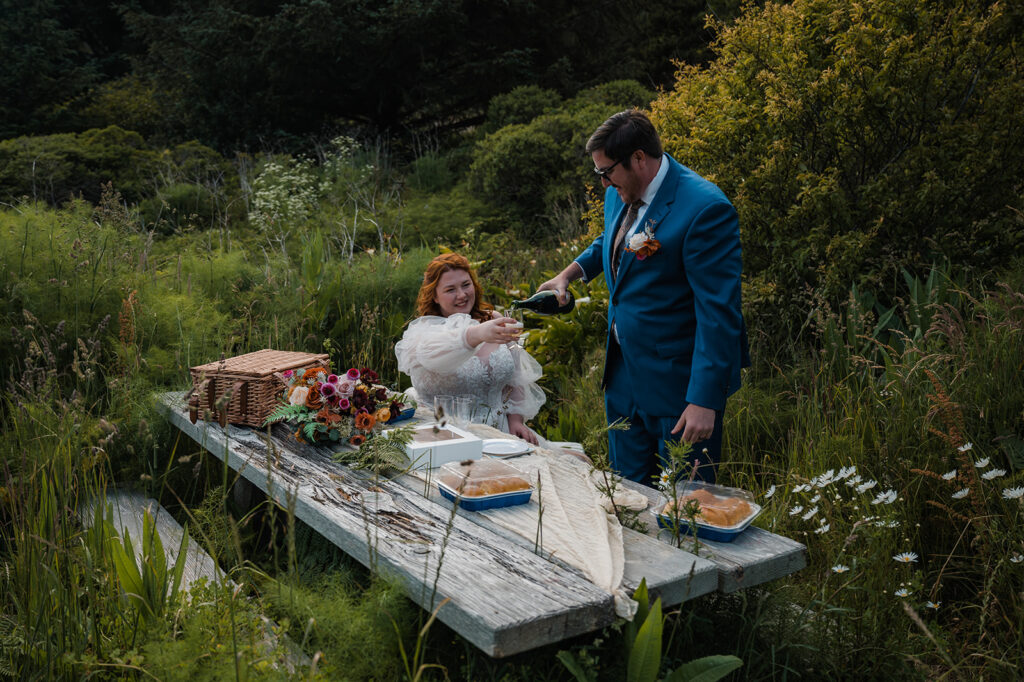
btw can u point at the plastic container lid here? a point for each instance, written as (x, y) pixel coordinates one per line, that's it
(482, 477)
(721, 507)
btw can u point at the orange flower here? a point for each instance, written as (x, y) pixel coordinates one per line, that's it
(357, 439)
(313, 399)
(383, 414)
(313, 372)
(365, 421)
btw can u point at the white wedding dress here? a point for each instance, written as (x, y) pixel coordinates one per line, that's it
(502, 377)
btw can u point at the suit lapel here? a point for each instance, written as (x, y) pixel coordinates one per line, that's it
(656, 212)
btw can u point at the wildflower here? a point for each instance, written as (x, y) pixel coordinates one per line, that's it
(357, 439)
(932, 605)
(352, 374)
(981, 463)
(949, 475)
(822, 529)
(825, 479)
(800, 488)
(846, 472)
(771, 491)
(1016, 558)
(810, 513)
(1013, 493)
(906, 557)
(868, 519)
(796, 510)
(993, 473)
(961, 494)
(892, 524)
(888, 497)
(840, 568)
(365, 421)
(902, 592)
(854, 481)
(866, 486)
(816, 499)
(965, 447)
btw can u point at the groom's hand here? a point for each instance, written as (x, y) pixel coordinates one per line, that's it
(696, 422)
(560, 282)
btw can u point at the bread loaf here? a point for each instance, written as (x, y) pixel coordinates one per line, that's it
(488, 486)
(714, 510)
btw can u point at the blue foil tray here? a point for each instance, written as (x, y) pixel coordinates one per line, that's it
(407, 413)
(486, 501)
(705, 531)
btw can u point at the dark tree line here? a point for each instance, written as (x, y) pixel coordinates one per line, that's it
(232, 72)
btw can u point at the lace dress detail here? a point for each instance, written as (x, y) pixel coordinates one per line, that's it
(501, 377)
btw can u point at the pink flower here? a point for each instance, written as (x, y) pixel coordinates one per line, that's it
(327, 390)
(353, 374)
(332, 379)
(344, 404)
(288, 374)
(345, 387)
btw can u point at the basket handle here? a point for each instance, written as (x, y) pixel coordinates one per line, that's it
(194, 396)
(280, 377)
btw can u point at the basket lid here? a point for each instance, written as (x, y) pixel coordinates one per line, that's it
(262, 362)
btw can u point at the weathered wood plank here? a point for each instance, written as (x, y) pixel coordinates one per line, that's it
(502, 598)
(129, 508)
(756, 556)
(671, 573)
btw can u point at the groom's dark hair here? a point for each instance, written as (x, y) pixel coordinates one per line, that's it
(624, 133)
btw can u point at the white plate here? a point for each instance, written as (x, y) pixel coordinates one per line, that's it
(506, 447)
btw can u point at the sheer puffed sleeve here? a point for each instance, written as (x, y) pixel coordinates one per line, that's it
(434, 343)
(524, 396)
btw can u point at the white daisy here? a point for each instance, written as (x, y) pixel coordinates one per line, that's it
(993, 473)
(888, 497)
(949, 475)
(846, 472)
(1016, 558)
(892, 524)
(866, 486)
(811, 512)
(840, 568)
(796, 510)
(965, 447)
(854, 481)
(816, 499)
(800, 488)
(906, 557)
(825, 479)
(981, 463)
(1013, 493)
(961, 494)
(771, 491)
(902, 592)
(932, 604)
(822, 529)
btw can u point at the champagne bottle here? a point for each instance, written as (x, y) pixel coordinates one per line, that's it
(546, 303)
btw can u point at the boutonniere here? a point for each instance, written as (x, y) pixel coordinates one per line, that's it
(643, 243)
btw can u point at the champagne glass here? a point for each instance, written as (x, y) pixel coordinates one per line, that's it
(444, 408)
(517, 315)
(464, 410)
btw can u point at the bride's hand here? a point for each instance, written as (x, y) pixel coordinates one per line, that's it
(498, 330)
(517, 428)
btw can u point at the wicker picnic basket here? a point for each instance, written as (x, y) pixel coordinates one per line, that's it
(246, 388)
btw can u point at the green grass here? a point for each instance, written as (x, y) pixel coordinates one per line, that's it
(103, 315)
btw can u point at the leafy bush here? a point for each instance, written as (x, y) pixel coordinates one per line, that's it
(519, 105)
(856, 139)
(531, 169)
(176, 206)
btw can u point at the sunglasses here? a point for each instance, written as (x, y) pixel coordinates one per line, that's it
(604, 172)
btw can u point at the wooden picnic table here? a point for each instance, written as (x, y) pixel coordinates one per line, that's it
(501, 595)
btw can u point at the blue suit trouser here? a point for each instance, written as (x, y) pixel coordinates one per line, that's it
(640, 452)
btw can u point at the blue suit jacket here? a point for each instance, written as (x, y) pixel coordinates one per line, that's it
(677, 312)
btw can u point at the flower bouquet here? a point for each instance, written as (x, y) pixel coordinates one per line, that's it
(328, 407)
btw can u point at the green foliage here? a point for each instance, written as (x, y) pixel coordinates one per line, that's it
(128, 102)
(56, 168)
(855, 140)
(519, 105)
(530, 169)
(177, 206)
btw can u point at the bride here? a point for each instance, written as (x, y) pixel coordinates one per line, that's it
(460, 346)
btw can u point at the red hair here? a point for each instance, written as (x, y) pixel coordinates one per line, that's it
(425, 303)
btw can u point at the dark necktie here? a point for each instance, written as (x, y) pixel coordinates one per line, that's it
(620, 235)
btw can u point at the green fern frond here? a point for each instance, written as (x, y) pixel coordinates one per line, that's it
(299, 413)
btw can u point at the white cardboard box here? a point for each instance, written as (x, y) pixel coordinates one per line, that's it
(430, 449)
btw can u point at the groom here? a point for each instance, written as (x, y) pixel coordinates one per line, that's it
(670, 253)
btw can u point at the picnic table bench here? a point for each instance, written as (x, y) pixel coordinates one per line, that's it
(497, 591)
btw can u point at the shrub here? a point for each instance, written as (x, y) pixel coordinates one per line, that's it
(856, 139)
(176, 206)
(520, 105)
